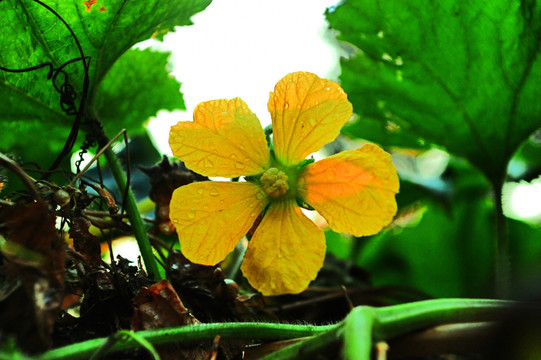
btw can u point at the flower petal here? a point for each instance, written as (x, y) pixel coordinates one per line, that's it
(211, 217)
(286, 251)
(307, 112)
(225, 139)
(353, 190)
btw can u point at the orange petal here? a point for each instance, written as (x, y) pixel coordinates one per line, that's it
(307, 112)
(225, 139)
(211, 217)
(285, 253)
(353, 190)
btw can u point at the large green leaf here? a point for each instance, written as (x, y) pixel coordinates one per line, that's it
(461, 74)
(33, 35)
(136, 86)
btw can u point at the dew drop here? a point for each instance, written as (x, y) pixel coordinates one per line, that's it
(260, 196)
(213, 192)
(200, 191)
(239, 165)
(280, 256)
(191, 214)
(286, 105)
(253, 213)
(332, 174)
(380, 35)
(386, 57)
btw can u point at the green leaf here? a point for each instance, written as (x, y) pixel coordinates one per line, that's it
(386, 133)
(134, 89)
(33, 35)
(525, 254)
(461, 74)
(447, 254)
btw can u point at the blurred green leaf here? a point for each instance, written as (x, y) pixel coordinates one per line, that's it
(445, 248)
(340, 245)
(447, 254)
(134, 89)
(32, 35)
(525, 254)
(464, 75)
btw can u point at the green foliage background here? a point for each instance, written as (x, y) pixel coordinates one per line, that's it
(32, 35)
(460, 76)
(464, 77)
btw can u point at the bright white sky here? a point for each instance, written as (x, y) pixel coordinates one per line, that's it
(242, 48)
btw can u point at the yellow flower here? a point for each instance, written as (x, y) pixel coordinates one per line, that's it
(354, 190)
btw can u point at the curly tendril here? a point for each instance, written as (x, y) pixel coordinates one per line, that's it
(67, 92)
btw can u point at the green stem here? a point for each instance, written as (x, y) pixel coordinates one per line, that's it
(359, 325)
(401, 319)
(361, 328)
(502, 261)
(188, 334)
(366, 325)
(133, 215)
(308, 349)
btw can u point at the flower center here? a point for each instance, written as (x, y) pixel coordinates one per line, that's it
(274, 182)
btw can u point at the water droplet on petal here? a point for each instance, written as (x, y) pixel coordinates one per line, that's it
(286, 105)
(239, 165)
(191, 214)
(213, 192)
(260, 196)
(200, 191)
(332, 174)
(386, 57)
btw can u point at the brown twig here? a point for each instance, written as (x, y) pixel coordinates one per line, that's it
(17, 170)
